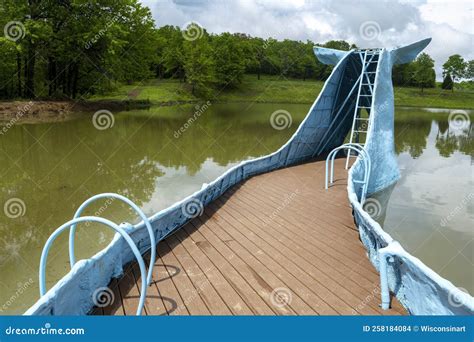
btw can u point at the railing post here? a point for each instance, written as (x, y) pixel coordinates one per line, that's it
(384, 254)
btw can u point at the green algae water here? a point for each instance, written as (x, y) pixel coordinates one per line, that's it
(154, 157)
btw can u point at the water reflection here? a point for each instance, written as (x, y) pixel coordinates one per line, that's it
(413, 127)
(430, 210)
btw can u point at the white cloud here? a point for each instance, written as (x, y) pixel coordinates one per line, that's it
(450, 23)
(457, 14)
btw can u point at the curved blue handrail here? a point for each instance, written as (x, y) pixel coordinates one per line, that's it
(361, 151)
(140, 213)
(108, 223)
(365, 158)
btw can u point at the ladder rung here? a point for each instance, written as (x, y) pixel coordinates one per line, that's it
(364, 107)
(369, 84)
(365, 95)
(362, 118)
(360, 131)
(358, 181)
(370, 72)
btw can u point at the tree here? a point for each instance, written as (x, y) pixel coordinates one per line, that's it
(447, 82)
(254, 51)
(403, 74)
(338, 45)
(424, 74)
(170, 51)
(455, 66)
(229, 61)
(199, 65)
(309, 61)
(469, 73)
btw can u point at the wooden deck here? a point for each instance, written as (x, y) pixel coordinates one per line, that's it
(277, 244)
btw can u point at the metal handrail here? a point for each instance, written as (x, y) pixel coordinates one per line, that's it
(108, 223)
(140, 213)
(367, 166)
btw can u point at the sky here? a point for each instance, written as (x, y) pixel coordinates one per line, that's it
(367, 23)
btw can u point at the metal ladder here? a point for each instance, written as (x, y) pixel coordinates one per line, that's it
(365, 92)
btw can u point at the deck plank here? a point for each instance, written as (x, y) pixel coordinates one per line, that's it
(191, 297)
(222, 257)
(201, 272)
(303, 235)
(298, 260)
(163, 276)
(129, 293)
(276, 244)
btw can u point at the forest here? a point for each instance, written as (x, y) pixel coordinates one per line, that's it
(74, 49)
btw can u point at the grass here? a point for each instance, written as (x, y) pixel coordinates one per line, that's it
(434, 98)
(157, 91)
(273, 89)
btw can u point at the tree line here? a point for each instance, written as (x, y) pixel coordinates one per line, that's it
(218, 61)
(71, 49)
(66, 49)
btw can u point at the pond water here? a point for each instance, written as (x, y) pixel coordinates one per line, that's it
(430, 210)
(156, 157)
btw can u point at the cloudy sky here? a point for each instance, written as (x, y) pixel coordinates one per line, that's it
(367, 23)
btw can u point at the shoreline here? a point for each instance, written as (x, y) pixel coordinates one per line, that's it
(24, 111)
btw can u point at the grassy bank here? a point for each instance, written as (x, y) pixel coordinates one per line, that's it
(278, 90)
